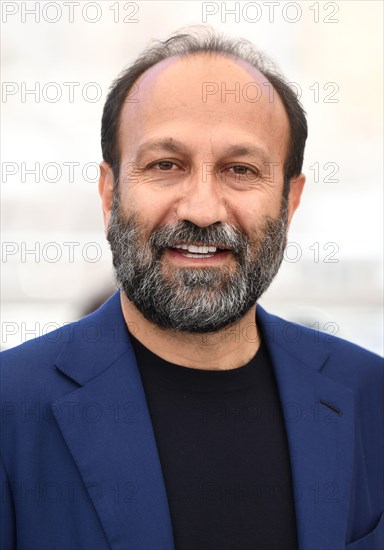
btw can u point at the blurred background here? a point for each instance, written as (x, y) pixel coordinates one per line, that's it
(59, 59)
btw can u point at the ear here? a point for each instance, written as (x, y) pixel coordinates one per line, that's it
(106, 186)
(294, 196)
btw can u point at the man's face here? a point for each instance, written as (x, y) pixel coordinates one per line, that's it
(199, 169)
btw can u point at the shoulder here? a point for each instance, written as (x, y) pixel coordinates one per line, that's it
(30, 366)
(29, 369)
(344, 361)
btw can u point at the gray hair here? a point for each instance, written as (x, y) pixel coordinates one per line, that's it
(203, 39)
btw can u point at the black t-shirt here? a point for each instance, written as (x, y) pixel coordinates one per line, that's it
(224, 454)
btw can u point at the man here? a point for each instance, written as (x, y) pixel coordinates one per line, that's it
(181, 414)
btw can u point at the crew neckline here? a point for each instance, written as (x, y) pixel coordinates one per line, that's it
(177, 376)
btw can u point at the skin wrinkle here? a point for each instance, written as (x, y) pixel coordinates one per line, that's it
(183, 299)
(148, 84)
(169, 302)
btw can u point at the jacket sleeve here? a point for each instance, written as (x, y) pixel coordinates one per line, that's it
(7, 513)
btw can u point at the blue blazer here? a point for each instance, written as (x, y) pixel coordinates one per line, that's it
(79, 464)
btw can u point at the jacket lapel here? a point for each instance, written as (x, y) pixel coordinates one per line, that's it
(318, 415)
(108, 431)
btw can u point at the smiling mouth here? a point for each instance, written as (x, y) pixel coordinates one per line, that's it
(198, 251)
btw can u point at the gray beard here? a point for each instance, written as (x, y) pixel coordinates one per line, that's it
(196, 299)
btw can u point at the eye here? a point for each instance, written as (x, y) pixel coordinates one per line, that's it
(242, 170)
(241, 173)
(163, 165)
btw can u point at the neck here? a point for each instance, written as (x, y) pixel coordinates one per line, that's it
(229, 348)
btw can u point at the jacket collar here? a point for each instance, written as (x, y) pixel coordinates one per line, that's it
(111, 437)
(318, 413)
(94, 343)
(119, 450)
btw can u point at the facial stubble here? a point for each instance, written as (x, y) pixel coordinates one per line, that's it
(194, 299)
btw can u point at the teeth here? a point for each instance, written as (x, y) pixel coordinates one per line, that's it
(188, 255)
(197, 249)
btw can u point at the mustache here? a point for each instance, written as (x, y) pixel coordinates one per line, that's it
(221, 235)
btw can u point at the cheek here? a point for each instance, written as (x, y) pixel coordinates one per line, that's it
(248, 213)
(152, 208)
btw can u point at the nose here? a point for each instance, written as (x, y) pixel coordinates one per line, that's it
(203, 202)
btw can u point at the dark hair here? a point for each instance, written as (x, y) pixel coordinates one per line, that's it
(202, 39)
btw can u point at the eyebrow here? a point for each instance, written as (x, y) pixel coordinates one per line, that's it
(245, 149)
(169, 144)
(174, 146)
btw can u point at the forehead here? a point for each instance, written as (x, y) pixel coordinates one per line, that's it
(205, 96)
